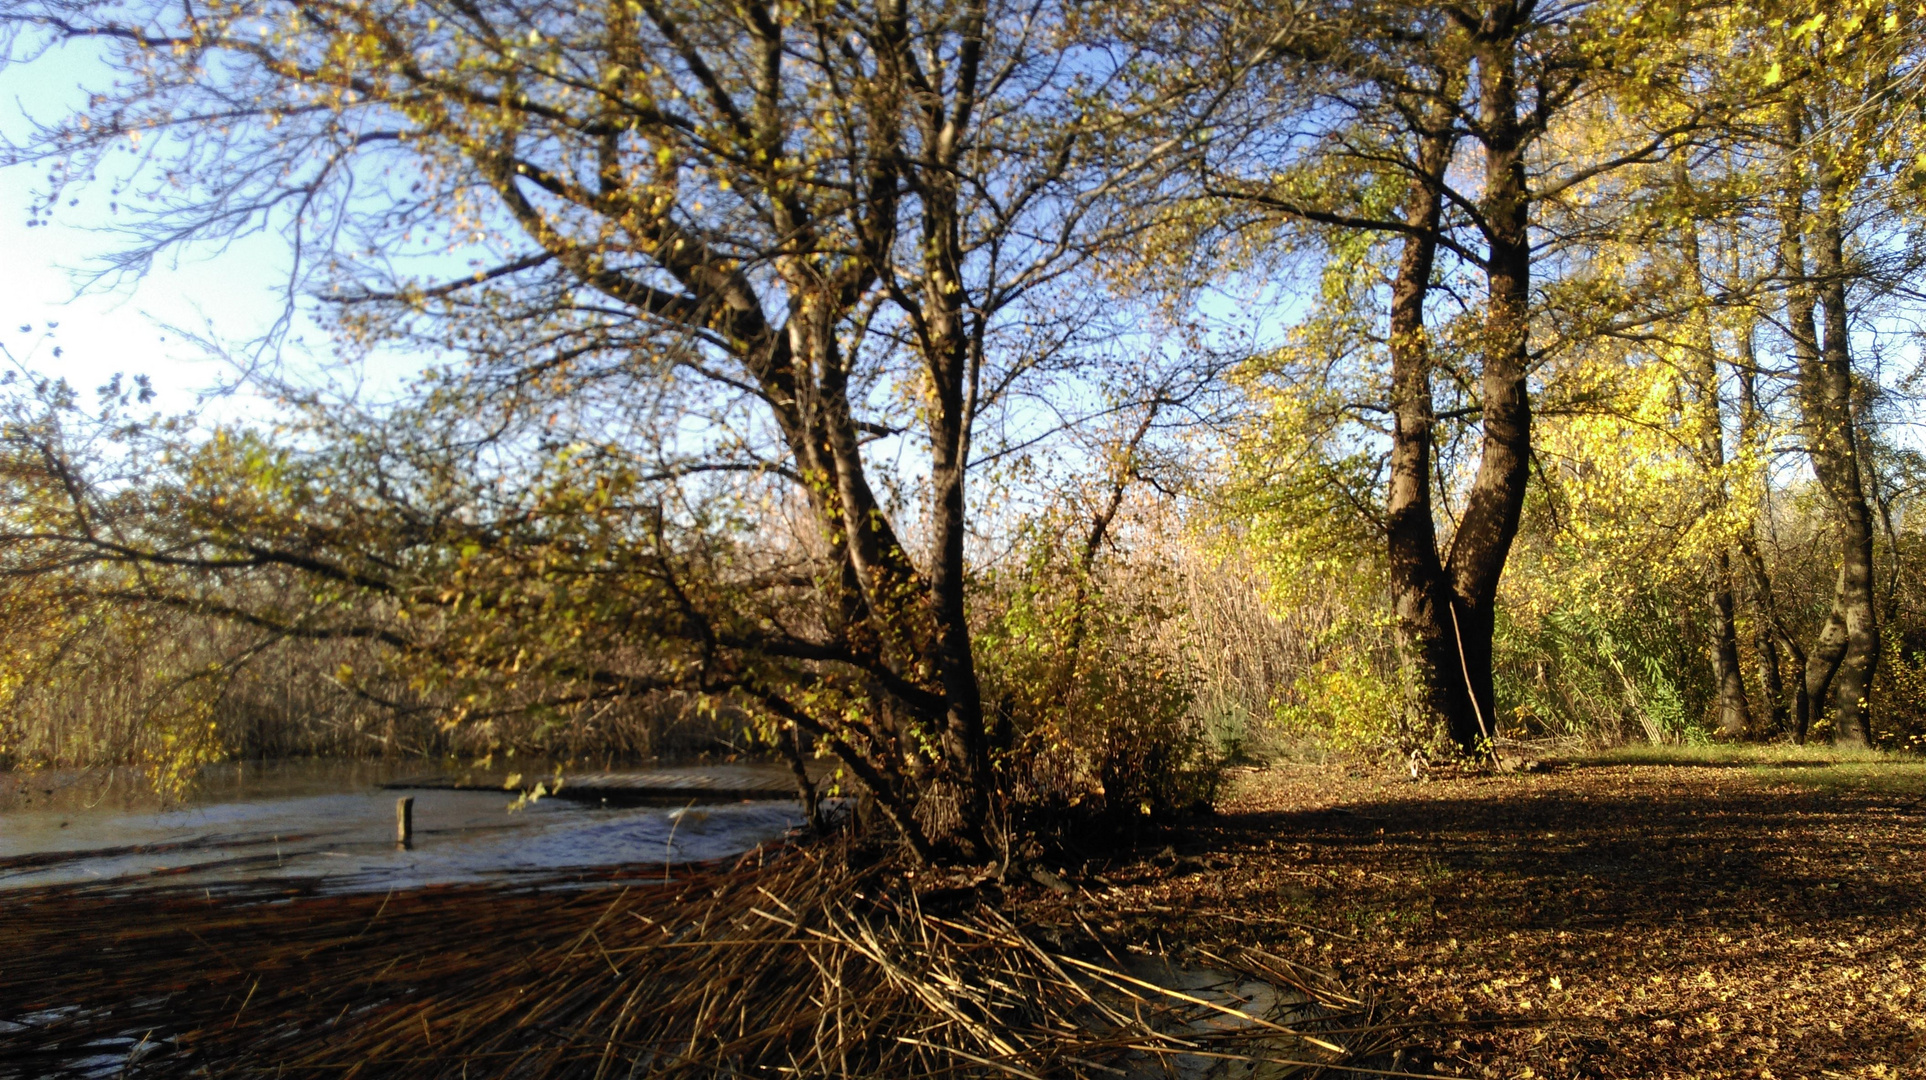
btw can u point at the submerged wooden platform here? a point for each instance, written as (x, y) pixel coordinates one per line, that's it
(722, 783)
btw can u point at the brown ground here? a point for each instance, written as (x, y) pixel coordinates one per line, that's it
(1622, 921)
(1635, 921)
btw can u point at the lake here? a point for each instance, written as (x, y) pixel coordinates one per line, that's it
(331, 825)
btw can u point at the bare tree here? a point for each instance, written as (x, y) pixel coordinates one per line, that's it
(829, 251)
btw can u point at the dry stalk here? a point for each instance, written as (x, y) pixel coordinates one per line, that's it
(785, 964)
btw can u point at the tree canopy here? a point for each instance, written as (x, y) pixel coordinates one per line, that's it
(882, 371)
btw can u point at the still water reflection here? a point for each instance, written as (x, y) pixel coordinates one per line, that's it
(331, 824)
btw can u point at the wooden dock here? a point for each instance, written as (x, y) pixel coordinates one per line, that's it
(675, 786)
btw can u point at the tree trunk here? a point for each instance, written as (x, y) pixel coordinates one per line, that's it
(1772, 686)
(1703, 374)
(1735, 715)
(948, 335)
(1772, 636)
(1842, 658)
(965, 745)
(1854, 603)
(1439, 686)
(1497, 498)
(1767, 627)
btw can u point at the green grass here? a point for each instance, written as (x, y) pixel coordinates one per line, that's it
(1820, 765)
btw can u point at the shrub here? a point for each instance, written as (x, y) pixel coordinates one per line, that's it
(1093, 709)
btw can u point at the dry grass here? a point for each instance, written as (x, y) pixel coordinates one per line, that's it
(790, 964)
(170, 692)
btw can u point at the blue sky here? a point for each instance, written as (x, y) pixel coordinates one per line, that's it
(98, 333)
(102, 331)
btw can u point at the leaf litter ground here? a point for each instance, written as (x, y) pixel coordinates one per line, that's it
(1625, 920)
(1601, 920)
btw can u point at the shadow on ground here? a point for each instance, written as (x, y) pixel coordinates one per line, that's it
(1573, 857)
(1619, 921)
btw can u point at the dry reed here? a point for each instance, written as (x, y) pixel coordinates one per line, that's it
(785, 963)
(154, 689)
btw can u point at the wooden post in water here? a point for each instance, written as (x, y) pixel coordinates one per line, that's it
(405, 822)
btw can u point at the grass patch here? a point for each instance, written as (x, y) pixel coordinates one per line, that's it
(1818, 766)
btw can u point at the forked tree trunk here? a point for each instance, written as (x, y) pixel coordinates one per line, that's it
(1447, 606)
(1842, 659)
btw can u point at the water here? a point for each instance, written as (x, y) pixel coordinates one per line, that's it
(329, 824)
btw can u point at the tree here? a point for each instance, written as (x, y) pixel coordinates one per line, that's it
(1840, 145)
(796, 236)
(1734, 712)
(1748, 179)
(1392, 96)
(1847, 647)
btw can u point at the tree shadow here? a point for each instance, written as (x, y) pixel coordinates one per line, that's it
(1635, 891)
(1574, 857)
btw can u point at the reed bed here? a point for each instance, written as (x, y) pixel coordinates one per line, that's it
(787, 963)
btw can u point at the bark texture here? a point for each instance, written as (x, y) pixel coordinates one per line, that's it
(1489, 523)
(1425, 602)
(1841, 661)
(1735, 715)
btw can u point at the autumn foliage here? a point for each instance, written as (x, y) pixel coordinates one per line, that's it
(1025, 409)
